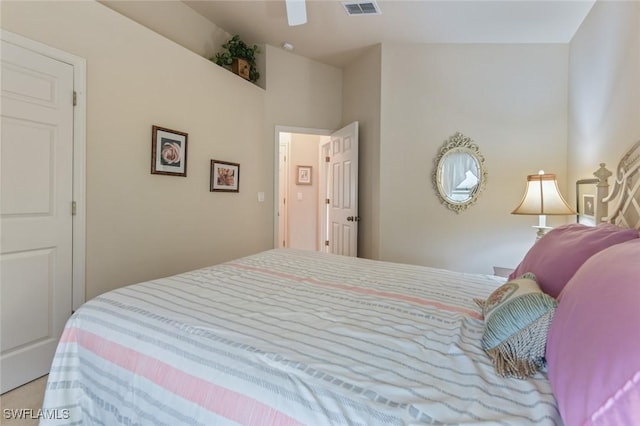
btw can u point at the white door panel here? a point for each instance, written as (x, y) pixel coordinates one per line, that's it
(343, 191)
(26, 178)
(28, 267)
(36, 195)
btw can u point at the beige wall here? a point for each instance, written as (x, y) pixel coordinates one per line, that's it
(141, 226)
(176, 21)
(512, 101)
(301, 92)
(604, 91)
(361, 102)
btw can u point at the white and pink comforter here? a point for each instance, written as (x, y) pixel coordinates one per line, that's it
(290, 337)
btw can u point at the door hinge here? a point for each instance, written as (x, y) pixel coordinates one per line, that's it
(73, 208)
(327, 159)
(328, 201)
(75, 98)
(326, 243)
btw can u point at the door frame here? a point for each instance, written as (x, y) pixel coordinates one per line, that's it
(323, 206)
(284, 215)
(276, 178)
(79, 153)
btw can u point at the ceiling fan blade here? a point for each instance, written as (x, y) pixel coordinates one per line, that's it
(296, 12)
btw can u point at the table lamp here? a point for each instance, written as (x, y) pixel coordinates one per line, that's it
(542, 197)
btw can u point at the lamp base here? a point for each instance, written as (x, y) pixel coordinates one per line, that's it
(541, 231)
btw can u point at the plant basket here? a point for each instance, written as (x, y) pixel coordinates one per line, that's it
(239, 57)
(241, 67)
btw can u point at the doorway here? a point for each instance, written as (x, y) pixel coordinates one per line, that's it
(300, 188)
(316, 189)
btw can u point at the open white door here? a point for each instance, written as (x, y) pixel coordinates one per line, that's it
(342, 191)
(36, 211)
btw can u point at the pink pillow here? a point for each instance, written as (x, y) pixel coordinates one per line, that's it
(593, 349)
(558, 255)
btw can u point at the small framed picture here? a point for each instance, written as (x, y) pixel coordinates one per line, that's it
(589, 205)
(586, 201)
(168, 152)
(225, 176)
(304, 175)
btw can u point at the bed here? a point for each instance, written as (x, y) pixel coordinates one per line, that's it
(288, 337)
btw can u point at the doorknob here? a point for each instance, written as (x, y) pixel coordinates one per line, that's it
(353, 219)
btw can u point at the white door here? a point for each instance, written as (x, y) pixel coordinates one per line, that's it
(343, 191)
(36, 196)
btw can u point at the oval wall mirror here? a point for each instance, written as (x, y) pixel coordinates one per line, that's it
(460, 174)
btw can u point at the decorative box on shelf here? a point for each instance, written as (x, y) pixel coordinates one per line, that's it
(241, 67)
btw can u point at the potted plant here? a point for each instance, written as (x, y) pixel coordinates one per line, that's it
(240, 57)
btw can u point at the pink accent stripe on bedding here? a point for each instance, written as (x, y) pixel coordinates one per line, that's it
(367, 291)
(227, 403)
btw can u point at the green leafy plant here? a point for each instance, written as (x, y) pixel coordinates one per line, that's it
(236, 48)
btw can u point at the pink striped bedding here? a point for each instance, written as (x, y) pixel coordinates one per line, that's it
(290, 337)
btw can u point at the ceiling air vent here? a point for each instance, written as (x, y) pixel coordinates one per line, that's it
(361, 8)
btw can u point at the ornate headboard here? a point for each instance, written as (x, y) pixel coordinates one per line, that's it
(620, 206)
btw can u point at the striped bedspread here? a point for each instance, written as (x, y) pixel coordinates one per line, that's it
(290, 337)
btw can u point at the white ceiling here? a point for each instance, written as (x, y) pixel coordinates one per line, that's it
(333, 37)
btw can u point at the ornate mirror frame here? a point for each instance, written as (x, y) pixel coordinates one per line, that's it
(458, 143)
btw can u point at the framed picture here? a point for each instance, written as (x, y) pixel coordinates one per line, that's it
(225, 176)
(304, 175)
(168, 152)
(586, 201)
(588, 205)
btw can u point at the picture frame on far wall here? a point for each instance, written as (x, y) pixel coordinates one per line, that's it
(168, 152)
(225, 176)
(304, 175)
(586, 201)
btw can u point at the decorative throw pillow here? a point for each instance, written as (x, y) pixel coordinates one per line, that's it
(593, 351)
(558, 255)
(517, 317)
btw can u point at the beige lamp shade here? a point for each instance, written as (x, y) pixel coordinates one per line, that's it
(542, 197)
